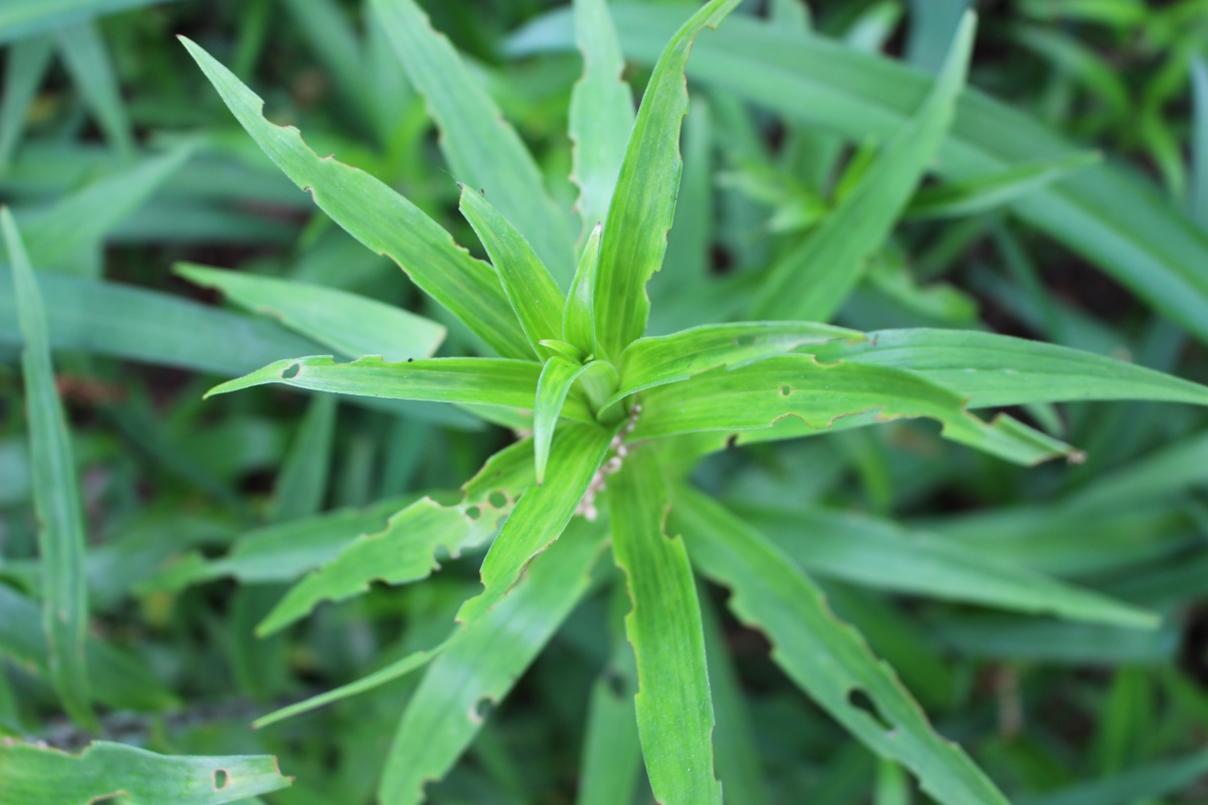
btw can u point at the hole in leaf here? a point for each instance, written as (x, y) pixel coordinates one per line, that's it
(473, 512)
(292, 371)
(498, 499)
(481, 710)
(731, 440)
(221, 778)
(859, 699)
(785, 391)
(616, 683)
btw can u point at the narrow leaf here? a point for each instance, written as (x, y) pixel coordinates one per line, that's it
(483, 150)
(23, 18)
(530, 289)
(84, 53)
(578, 318)
(23, 72)
(381, 219)
(813, 280)
(557, 377)
(350, 324)
(56, 493)
(302, 483)
(995, 370)
(601, 111)
(483, 662)
(673, 703)
(541, 514)
(1199, 148)
(825, 657)
(643, 204)
(986, 193)
(33, 774)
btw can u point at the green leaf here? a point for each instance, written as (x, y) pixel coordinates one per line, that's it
(483, 150)
(995, 370)
(33, 774)
(1199, 148)
(486, 381)
(381, 219)
(302, 483)
(601, 111)
(117, 679)
(406, 549)
(557, 377)
(824, 657)
(1108, 214)
(83, 51)
(23, 72)
(643, 204)
(879, 554)
(821, 396)
(483, 662)
(1141, 784)
(813, 280)
(530, 289)
(578, 318)
(56, 493)
(23, 18)
(1160, 474)
(542, 513)
(353, 325)
(67, 233)
(659, 360)
(985, 193)
(674, 705)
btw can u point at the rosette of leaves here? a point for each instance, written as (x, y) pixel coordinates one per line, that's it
(614, 421)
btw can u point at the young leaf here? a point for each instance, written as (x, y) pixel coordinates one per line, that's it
(406, 549)
(530, 289)
(84, 53)
(824, 657)
(601, 111)
(578, 319)
(381, 219)
(486, 381)
(484, 152)
(813, 280)
(643, 203)
(557, 377)
(674, 705)
(986, 193)
(56, 492)
(32, 774)
(995, 370)
(482, 662)
(23, 72)
(876, 553)
(352, 325)
(659, 360)
(825, 396)
(541, 514)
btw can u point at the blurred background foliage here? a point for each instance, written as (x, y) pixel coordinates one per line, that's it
(120, 163)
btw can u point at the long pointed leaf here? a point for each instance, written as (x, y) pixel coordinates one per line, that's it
(643, 204)
(56, 493)
(381, 219)
(824, 657)
(674, 705)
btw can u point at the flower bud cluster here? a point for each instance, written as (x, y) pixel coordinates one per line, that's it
(618, 448)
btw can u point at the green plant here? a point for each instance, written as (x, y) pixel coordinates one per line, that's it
(675, 431)
(621, 418)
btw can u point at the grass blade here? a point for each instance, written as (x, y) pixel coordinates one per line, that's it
(813, 280)
(32, 775)
(483, 150)
(674, 705)
(578, 317)
(823, 656)
(643, 204)
(353, 325)
(56, 493)
(23, 18)
(379, 218)
(601, 112)
(23, 72)
(84, 53)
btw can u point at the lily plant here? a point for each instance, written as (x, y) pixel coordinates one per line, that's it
(612, 422)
